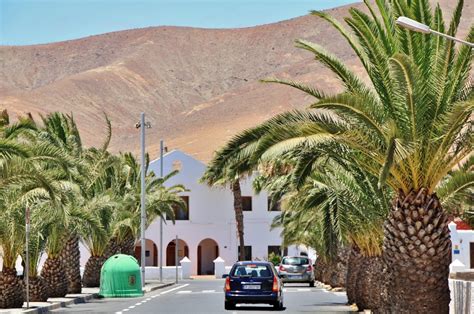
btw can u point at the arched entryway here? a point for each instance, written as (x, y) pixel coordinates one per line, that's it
(208, 251)
(151, 253)
(183, 251)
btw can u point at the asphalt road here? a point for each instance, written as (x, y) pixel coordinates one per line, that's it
(206, 296)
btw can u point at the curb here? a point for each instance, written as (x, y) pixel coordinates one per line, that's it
(79, 300)
(160, 287)
(57, 305)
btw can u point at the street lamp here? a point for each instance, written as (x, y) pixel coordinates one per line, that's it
(142, 126)
(415, 26)
(161, 218)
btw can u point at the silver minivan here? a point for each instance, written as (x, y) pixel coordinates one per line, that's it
(296, 269)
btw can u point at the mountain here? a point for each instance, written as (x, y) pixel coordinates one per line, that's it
(198, 87)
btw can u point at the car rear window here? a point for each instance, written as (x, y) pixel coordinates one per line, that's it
(251, 270)
(295, 261)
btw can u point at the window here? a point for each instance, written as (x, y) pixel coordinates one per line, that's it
(275, 207)
(179, 212)
(247, 203)
(252, 270)
(277, 250)
(296, 261)
(248, 252)
(177, 165)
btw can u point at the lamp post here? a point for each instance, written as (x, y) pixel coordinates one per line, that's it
(26, 270)
(161, 218)
(142, 125)
(415, 26)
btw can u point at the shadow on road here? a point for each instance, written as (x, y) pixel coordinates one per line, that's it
(257, 308)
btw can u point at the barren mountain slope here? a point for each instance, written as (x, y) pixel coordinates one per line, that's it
(197, 86)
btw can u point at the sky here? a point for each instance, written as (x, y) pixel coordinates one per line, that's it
(27, 22)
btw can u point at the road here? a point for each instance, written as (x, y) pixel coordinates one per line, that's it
(206, 296)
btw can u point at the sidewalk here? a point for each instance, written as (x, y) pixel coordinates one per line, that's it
(87, 294)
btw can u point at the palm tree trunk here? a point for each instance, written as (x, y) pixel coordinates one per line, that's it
(55, 276)
(128, 245)
(416, 249)
(239, 216)
(91, 276)
(376, 284)
(353, 268)
(112, 248)
(71, 258)
(39, 290)
(341, 267)
(318, 269)
(11, 289)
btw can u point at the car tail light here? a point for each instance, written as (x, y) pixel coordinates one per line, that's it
(281, 268)
(227, 284)
(275, 284)
(309, 268)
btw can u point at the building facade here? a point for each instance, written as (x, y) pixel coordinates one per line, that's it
(462, 246)
(207, 229)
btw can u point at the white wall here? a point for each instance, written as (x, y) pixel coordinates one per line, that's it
(169, 273)
(461, 240)
(212, 215)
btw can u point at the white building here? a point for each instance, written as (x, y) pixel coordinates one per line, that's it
(462, 242)
(208, 229)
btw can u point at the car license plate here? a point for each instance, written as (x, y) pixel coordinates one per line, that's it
(295, 276)
(251, 287)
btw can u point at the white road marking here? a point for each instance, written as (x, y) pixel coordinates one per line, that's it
(131, 307)
(137, 304)
(183, 291)
(168, 291)
(208, 291)
(126, 310)
(154, 296)
(304, 289)
(118, 312)
(148, 299)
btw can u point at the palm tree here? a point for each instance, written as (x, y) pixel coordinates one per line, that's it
(410, 127)
(99, 202)
(21, 185)
(115, 200)
(337, 206)
(11, 245)
(217, 175)
(160, 200)
(101, 207)
(61, 131)
(38, 288)
(456, 189)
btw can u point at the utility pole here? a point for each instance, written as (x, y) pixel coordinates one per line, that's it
(142, 125)
(26, 271)
(161, 218)
(176, 257)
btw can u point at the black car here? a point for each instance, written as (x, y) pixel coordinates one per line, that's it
(253, 282)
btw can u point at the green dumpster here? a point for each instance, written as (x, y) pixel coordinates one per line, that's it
(120, 277)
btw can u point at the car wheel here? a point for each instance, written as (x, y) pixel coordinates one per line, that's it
(229, 305)
(311, 284)
(278, 305)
